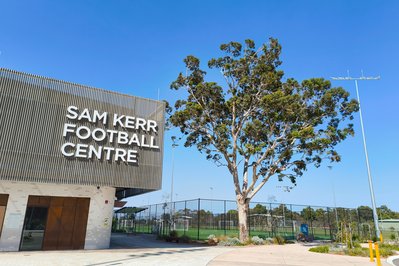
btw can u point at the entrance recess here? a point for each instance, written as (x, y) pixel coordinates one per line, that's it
(3, 206)
(55, 223)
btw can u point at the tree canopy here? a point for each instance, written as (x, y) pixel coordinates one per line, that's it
(257, 122)
(269, 124)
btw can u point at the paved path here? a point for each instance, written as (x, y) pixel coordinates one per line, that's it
(288, 255)
(145, 250)
(125, 250)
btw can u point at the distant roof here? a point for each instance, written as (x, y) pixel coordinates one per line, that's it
(130, 210)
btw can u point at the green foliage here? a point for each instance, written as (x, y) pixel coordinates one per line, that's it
(361, 252)
(256, 240)
(275, 126)
(308, 214)
(279, 240)
(259, 209)
(365, 252)
(320, 249)
(386, 252)
(269, 240)
(365, 213)
(185, 239)
(385, 213)
(389, 246)
(234, 241)
(259, 115)
(212, 240)
(173, 234)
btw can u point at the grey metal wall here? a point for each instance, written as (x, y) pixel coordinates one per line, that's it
(32, 116)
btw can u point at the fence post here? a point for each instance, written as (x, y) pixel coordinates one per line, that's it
(311, 221)
(156, 219)
(185, 214)
(163, 221)
(149, 220)
(224, 217)
(329, 222)
(292, 223)
(199, 217)
(324, 224)
(249, 221)
(271, 217)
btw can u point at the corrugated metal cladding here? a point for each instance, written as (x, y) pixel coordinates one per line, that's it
(33, 112)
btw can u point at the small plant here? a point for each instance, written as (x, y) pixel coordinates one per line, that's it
(230, 242)
(279, 240)
(389, 246)
(362, 252)
(320, 249)
(256, 240)
(386, 252)
(353, 244)
(269, 240)
(212, 240)
(173, 234)
(185, 239)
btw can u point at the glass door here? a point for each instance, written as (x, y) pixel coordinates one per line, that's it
(33, 230)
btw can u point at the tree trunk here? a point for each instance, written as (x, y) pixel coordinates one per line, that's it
(243, 208)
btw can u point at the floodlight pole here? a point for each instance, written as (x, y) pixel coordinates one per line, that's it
(171, 185)
(375, 215)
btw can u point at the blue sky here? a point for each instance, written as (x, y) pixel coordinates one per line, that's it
(137, 47)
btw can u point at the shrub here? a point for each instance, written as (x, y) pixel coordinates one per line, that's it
(269, 240)
(185, 239)
(173, 234)
(389, 246)
(386, 252)
(362, 252)
(320, 249)
(212, 240)
(234, 241)
(354, 244)
(279, 240)
(262, 236)
(256, 240)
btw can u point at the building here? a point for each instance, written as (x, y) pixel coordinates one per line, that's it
(389, 225)
(67, 153)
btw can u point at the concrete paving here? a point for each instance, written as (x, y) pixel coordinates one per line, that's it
(125, 250)
(145, 250)
(288, 255)
(393, 260)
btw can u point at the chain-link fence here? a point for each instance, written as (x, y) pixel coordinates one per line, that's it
(200, 218)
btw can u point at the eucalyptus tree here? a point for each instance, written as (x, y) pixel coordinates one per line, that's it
(257, 123)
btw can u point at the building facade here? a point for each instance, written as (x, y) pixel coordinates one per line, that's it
(67, 153)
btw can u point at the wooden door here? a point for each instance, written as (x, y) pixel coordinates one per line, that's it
(66, 223)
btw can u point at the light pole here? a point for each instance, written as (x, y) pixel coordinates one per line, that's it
(171, 184)
(375, 215)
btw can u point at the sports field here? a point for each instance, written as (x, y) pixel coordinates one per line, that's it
(203, 233)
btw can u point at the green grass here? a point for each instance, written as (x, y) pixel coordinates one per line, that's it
(192, 232)
(320, 249)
